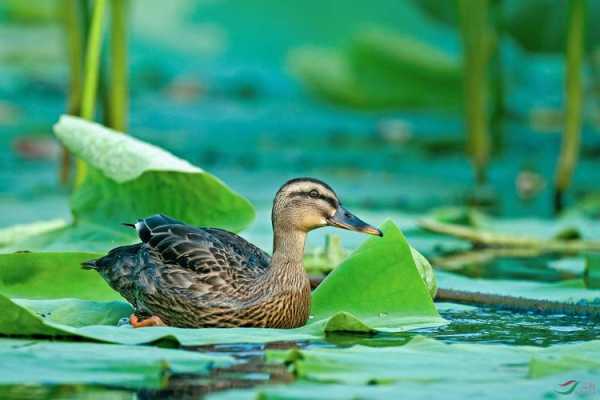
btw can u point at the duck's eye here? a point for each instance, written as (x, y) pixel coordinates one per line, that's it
(313, 193)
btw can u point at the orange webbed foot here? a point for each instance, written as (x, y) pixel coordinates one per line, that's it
(152, 321)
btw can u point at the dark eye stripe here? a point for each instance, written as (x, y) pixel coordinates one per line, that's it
(296, 194)
(330, 200)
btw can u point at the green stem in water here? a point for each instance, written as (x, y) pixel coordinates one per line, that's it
(571, 138)
(118, 101)
(75, 48)
(476, 37)
(92, 66)
(92, 61)
(497, 85)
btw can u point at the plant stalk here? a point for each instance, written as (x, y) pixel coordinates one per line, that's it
(498, 95)
(476, 38)
(75, 48)
(571, 138)
(92, 66)
(517, 304)
(118, 100)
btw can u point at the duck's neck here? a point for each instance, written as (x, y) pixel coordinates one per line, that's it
(288, 252)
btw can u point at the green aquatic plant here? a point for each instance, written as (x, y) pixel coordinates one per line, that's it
(376, 365)
(54, 363)
(118, 89)
(140, 179)
(75, 41)
(477, 41)
(84, 46)
(424, 368)
(498, 78)
(571, 137)
(592, 270)
(91, 73)
(381, 69)
(92, 61)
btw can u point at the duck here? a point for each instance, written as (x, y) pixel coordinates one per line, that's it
(184, 276)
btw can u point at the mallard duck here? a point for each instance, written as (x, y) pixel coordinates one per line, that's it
(184, 276)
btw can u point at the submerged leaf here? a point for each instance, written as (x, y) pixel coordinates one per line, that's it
(539, 389)
(424, 366)
(413, 362)
(78, 313)
(41, 362)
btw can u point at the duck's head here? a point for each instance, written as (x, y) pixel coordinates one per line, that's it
(305, 204)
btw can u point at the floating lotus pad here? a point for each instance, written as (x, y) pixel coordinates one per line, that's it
(44, 362)
(378, 288)
(425, 367)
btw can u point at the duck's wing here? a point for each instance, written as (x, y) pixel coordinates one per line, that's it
(202, 250)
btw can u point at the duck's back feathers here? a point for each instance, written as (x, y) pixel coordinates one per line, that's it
(200, 249)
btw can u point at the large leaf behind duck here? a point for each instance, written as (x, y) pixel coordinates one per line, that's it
(128, 179)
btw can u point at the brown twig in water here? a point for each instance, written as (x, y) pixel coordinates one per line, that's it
(496, 240)
(517, 304)
(457, 261)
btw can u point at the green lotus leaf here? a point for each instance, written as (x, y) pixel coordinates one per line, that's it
(412, 361)
(377, 288)
(44, 362)
(128, 179)
(425, 366)
(52, 276)
(382, 69)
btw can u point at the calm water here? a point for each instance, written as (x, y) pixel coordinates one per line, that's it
(467, 325)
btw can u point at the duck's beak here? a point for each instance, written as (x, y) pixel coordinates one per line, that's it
(346, 220)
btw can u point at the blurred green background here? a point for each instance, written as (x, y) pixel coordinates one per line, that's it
(369, 96)
(483, 116)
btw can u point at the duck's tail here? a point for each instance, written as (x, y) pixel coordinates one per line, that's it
(91, 264)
